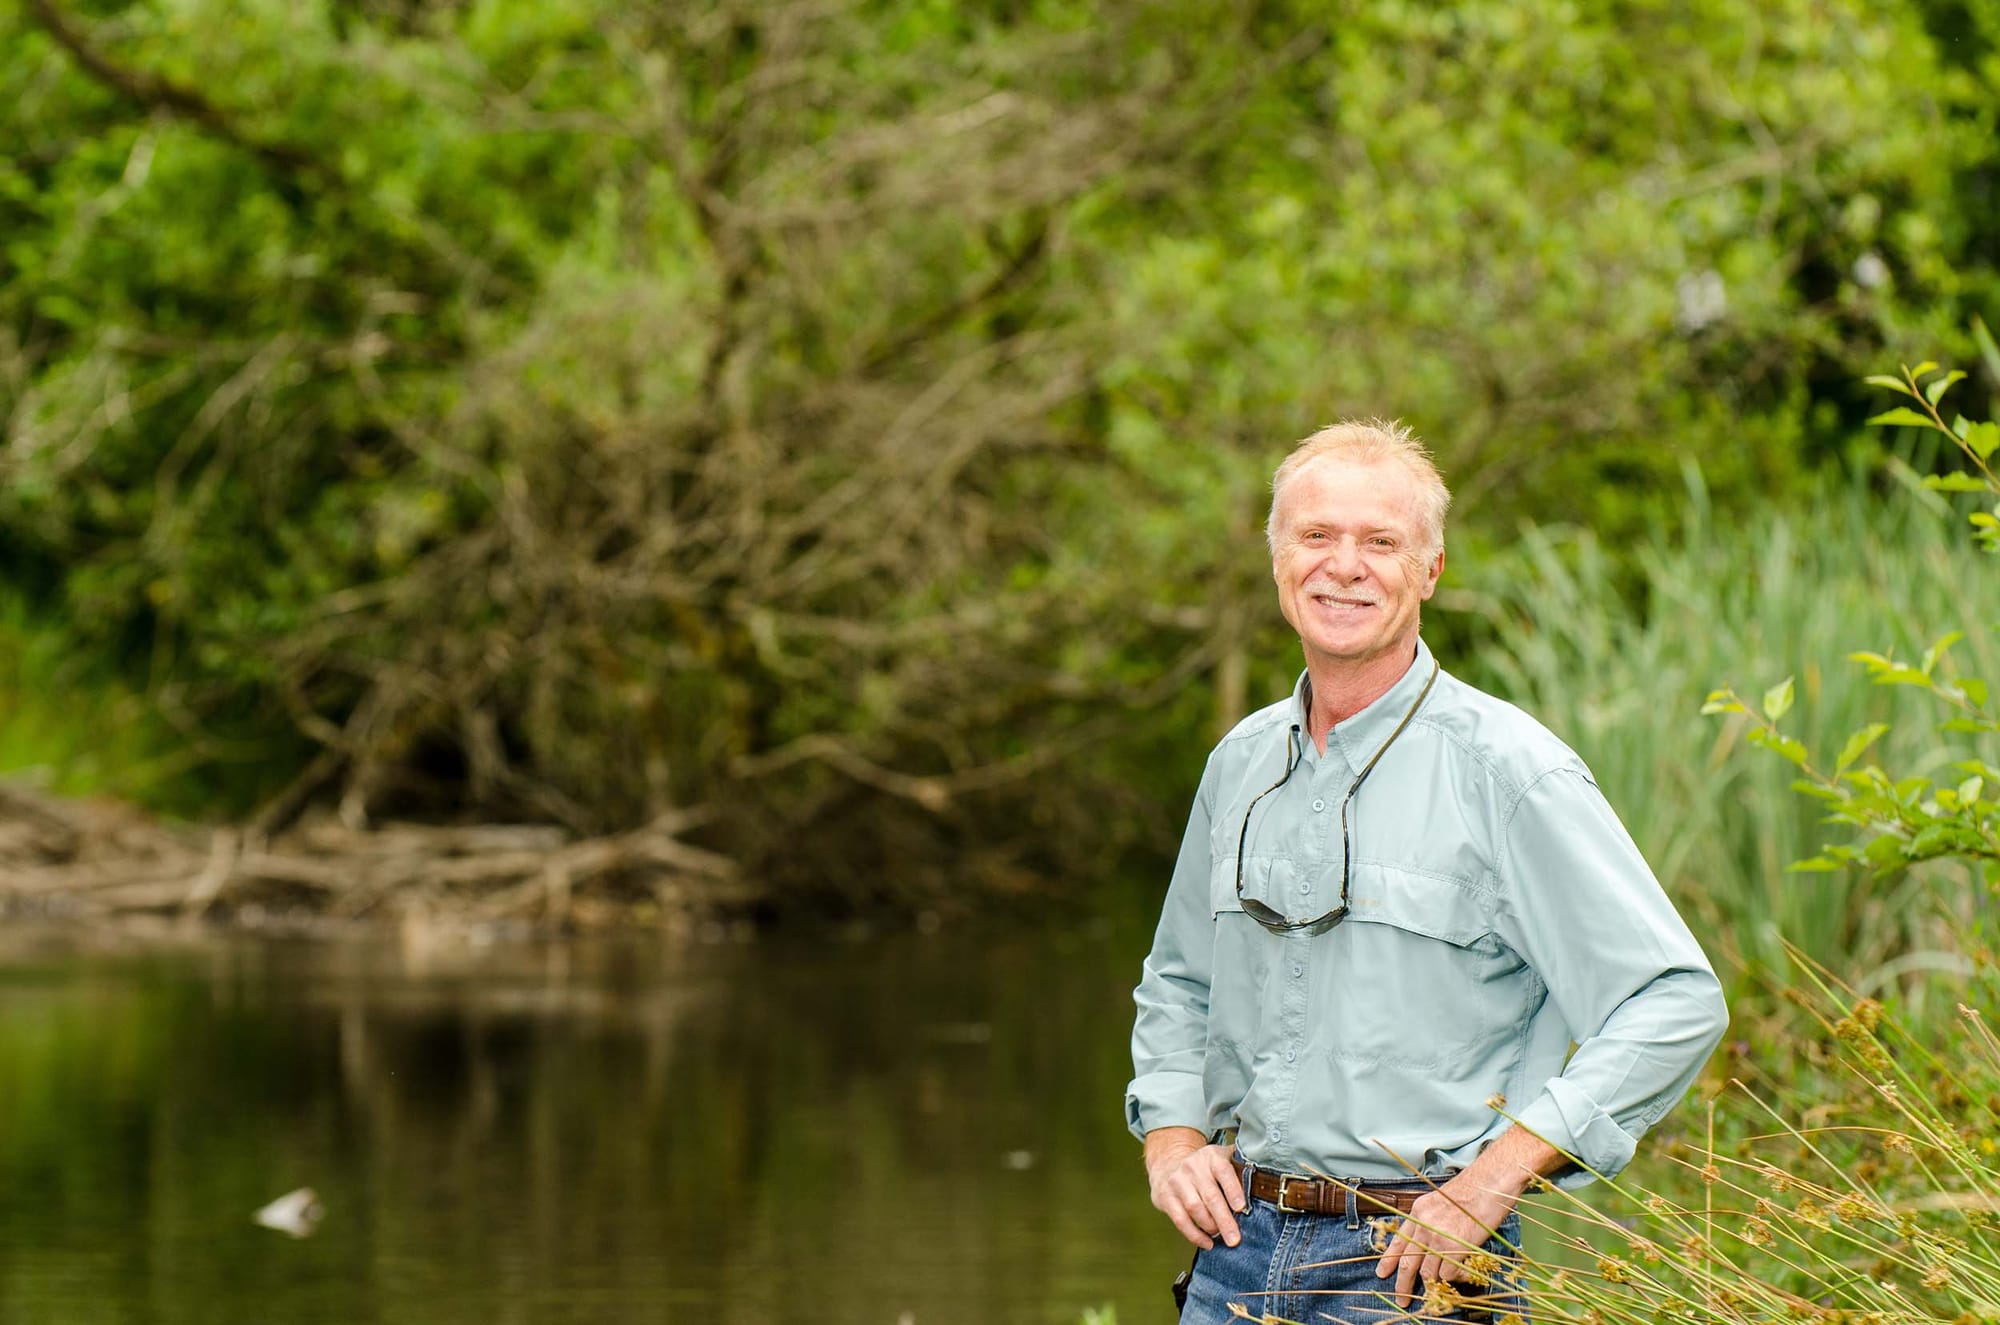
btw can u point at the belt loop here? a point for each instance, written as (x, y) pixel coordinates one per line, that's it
(1353, 1207)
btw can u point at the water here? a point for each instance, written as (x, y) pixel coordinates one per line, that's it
(915, 1130)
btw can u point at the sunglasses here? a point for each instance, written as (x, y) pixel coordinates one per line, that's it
(1276, 921)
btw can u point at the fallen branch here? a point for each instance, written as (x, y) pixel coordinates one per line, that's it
(92, 859)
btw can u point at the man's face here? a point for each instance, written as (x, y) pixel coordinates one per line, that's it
(1352, 561)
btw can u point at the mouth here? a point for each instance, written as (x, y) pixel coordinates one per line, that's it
(1343, 603)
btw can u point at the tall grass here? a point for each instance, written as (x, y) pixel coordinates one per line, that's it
(1615, 653)
(1855, 1181)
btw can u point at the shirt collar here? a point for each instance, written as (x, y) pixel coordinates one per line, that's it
(1359, 736)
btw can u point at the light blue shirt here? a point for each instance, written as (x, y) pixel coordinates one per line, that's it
(1500, 912)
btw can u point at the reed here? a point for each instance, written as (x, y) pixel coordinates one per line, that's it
(1616, 651)
(1857, 1183)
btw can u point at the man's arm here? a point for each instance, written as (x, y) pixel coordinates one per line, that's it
(1580, 905)
(1166, 1105)
(1583, 909)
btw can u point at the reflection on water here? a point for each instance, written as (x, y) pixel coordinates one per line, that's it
(905, 1129)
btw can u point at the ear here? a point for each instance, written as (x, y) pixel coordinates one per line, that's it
(1436, 569)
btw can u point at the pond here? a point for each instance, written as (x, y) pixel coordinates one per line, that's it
(899, 1130)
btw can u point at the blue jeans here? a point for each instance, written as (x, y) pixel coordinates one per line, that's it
(1317, 1268)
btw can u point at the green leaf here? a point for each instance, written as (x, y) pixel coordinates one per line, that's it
(1970, 789)
(1817, 791)
(1816, 865)
(1778, 700)
(1941, 385)
(1903, 417)
(1983, 439)
(1974, 691)
(1883, 851)
(1893, 383)
(1859, 742)
(1901, 676)
(1723, 706)
(1955, 483)
(1783, 745)
(1925, 367)
(1936, 651)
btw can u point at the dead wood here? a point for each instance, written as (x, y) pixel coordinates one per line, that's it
(85, 858)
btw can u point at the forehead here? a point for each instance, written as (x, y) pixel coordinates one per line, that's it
(1377, 494)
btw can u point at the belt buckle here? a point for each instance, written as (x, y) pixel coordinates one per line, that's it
(1284, 1181)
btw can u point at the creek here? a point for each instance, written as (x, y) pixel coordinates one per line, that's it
(894, 1130)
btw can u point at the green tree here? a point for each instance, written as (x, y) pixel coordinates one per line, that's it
(780, 423)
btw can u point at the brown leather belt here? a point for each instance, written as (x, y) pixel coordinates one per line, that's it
(1296, 1194)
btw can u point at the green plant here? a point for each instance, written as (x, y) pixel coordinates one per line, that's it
(1950, 812)
(1859, 1182)
(1611, 647)
(1858, 1185)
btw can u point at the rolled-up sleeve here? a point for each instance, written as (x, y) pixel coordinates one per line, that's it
(1640, 999)
(1170, 1034)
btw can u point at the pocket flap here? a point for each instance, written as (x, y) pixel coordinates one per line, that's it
(1426, 904)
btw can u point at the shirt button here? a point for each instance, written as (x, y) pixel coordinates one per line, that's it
(1291, 1057)
(1318, 805)
(1298, 970)
(1305, 888)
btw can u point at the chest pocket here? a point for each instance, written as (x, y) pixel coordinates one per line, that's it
(1422, 904)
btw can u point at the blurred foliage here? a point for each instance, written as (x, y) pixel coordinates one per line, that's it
(849, 424)
(1615, 655)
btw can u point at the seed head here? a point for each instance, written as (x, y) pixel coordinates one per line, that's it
(1441, 1299)
(1480, 1268)
(1853, 1209)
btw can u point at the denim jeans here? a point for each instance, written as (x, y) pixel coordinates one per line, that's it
(1317, 1268)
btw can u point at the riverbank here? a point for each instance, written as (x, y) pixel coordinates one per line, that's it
(84, 859)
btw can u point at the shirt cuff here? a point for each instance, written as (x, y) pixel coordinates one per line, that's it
(1165, 1099)
(1572, 1122)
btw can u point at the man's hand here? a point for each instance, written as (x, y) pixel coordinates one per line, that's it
(1450, 1223)
(1442, 1229)
(1195, 1185)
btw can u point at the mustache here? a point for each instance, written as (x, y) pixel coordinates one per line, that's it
(1364, 600)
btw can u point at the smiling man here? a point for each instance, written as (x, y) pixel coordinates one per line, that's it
(1398, 904)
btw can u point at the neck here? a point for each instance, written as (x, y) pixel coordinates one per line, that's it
(1340, 689)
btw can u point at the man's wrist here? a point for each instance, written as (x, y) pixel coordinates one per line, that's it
(1169, 1143)
(1513, 1162)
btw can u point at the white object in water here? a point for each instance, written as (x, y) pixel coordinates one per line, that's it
(296, 1213)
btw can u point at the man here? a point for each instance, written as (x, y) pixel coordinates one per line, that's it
(1398, 903)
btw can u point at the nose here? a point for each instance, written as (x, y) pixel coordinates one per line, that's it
(1344, 561)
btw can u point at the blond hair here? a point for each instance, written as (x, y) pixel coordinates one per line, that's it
(1370, 441)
